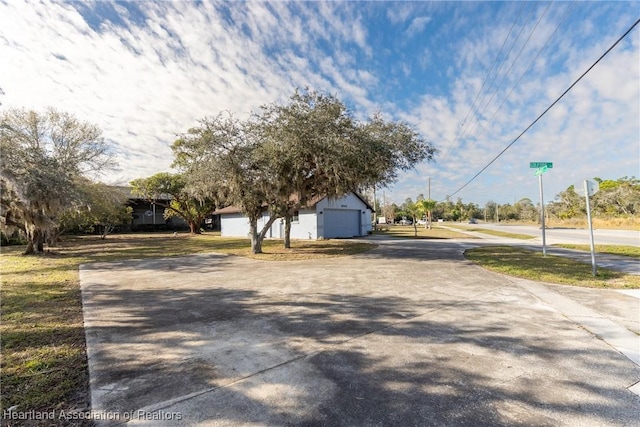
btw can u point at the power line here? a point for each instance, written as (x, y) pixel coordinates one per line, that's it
(548, 108)
(481, 113)
(504, 77)
(531, 63)
(460, 131)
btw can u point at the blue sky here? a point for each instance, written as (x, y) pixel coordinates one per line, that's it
(470, 76)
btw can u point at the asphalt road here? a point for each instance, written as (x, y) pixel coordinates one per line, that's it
(407, 334)
(572, 235)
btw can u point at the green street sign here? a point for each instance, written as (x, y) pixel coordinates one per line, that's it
(541, 170)
(536, 165)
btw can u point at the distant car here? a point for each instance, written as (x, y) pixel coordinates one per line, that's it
(406, 222)
(473, 221)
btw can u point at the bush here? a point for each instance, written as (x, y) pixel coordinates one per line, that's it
(15, 238)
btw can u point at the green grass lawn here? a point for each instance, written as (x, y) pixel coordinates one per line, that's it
(44, 363)
(630, 251)
(409, 232)
(532, 265)
(498, 233)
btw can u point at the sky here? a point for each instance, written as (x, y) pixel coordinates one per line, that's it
(469, 76)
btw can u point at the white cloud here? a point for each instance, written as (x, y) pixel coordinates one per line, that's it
(145, 81)
(417, 25)
(400, 12)
(594, 131)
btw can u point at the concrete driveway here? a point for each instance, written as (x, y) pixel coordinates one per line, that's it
(407, 334)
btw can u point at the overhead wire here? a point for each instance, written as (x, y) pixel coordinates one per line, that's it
(548, 108)
(531, 63)
(484, 82)
(504, 77)
(486, 106)
(482, 109)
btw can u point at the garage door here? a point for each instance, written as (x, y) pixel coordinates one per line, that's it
(341, 223)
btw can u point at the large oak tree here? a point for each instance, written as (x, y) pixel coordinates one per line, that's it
(222, 160)
(287, 154)
(46, 158)
(320, 150)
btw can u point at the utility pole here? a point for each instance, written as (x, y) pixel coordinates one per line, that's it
(375, 211)
(384, 207)
(428, 221)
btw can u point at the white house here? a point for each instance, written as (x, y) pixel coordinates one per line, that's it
(348, 216)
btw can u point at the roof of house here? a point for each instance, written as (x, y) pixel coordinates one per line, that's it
(227, 210)
(311, 203)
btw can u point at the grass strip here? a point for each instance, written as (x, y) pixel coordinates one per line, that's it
(495, 232)
(407, 231)
(629, 251)
(44, 362)
(532, 265)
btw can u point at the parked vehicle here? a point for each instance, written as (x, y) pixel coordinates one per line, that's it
(473, 221)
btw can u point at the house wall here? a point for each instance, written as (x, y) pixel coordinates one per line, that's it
(234, 225)
(237, 225)
(309, 225)
(306, 227)
(275, 231)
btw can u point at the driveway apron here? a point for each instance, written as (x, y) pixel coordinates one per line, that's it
(409, 333)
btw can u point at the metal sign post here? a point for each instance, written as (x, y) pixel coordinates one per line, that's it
(589, 190)
(542, 168)
(544, 237)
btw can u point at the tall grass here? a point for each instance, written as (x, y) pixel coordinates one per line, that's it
(628, 223)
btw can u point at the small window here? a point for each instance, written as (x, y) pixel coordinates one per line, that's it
(295, 217)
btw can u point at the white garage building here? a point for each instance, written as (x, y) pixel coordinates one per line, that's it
(348, 216)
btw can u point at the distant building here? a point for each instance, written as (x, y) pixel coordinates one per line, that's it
(149, 215)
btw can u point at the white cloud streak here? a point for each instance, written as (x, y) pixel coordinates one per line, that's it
(147, 77)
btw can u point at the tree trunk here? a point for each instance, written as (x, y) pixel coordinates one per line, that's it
(53, 236)
(266, 227)
(256, 243)
(106, 230)
(30, 248)
(36, 242)
(194, 228)
(287, 231)
(257, 238)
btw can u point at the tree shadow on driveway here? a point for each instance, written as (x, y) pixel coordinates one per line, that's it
(237, 346)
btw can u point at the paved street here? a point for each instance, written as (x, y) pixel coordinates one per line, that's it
(407, 334)
(576, 236)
